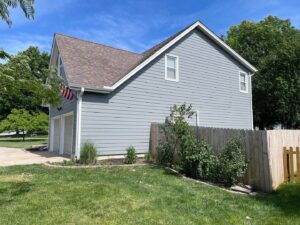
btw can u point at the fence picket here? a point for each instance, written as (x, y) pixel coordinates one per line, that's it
(298, 163)
(291, 162)
(285, 160)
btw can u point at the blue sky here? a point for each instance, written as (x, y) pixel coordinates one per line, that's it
(133, 25)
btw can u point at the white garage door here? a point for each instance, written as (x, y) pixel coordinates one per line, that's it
(68, 135)
(56, 135)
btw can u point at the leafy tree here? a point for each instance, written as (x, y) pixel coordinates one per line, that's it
(26, 6)
(22, 83)
(39, 122)
(3, 54)
(22, 120)
(273, 46)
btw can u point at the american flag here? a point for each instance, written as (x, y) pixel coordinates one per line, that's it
(66, 92)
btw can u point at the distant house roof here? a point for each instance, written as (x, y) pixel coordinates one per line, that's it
(99, 67)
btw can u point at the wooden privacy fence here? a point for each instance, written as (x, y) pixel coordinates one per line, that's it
(264, 151)
(291, 163)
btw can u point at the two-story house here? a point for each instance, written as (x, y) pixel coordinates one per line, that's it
(120, 93)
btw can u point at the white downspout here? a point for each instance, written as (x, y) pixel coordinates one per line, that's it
(251, 104)
(78, 123)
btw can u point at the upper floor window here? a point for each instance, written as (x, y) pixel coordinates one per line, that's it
(243, 82)
(171, 67)
(59, 66)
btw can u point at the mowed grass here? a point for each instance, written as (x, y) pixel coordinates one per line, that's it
(132, 195)
(19, 143)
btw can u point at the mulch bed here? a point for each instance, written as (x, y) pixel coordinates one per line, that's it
(98, 163)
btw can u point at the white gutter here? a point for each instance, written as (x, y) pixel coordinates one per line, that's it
(251, 101)
(90, 89)
(78, 123)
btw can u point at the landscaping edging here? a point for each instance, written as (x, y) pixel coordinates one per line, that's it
(205, 183)
(93, 166)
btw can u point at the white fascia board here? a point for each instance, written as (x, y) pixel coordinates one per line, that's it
(175, 40)
(89, 89)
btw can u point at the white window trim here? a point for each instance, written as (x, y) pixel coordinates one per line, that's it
(176, 69)
(246, 81)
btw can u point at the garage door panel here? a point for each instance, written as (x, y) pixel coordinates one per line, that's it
(56, 134)
(68, 134)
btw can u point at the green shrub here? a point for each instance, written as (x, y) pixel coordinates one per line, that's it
(88, 153)
(131, 156)
(175, 128)
(69, 162)
(148, 157)
(232, 161)
(164, 154)
(197, 159)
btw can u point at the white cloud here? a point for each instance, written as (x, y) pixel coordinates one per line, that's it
(19, 42)
(124, 32)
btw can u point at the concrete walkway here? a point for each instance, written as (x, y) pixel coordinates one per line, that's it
(17, 156)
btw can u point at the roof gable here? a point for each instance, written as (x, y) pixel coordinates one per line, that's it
(99, 67)
(93, 65)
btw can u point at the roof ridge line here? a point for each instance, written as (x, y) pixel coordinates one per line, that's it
(93, 42)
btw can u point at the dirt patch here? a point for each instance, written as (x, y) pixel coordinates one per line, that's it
(24, 177)
(119, 161)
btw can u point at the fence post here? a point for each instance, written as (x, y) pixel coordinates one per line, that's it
(298, 163)
(285, 164)
(291, 162)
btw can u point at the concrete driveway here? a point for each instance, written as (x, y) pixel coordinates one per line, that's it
(17, 156)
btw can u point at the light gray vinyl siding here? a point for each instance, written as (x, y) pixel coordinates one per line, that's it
(208, 79)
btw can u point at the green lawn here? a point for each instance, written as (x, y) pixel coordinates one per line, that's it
(18, 143)
(132, 195)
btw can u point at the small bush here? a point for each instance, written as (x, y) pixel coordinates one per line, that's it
(131, 156)
(69, 162)
(232, 162)
(88, 153)
(198, 161)
(148, 157)
(164, 154)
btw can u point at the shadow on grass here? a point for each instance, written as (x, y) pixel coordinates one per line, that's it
(11, 190)
(286, 198)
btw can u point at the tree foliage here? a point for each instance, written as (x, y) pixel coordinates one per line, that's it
(3, 54)
(273, 46)
(22, 83)
(195, 158)
(6, 5)
(22, 120)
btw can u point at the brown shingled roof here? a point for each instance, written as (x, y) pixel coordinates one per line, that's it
(93, 65)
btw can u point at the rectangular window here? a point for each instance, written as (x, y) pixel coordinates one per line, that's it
(171, 67)
(243, 82)
(59, 66)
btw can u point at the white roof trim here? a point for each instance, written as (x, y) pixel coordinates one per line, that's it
(171, 43)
